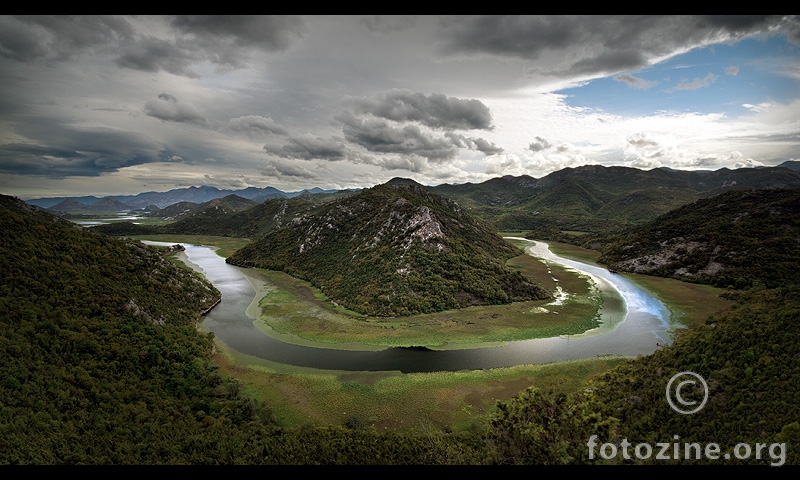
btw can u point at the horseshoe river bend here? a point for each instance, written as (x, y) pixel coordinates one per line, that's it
(640, 328)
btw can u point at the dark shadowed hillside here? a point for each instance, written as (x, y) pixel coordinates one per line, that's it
(732, 239)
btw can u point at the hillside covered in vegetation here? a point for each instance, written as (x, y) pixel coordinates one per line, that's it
(599, 199)
(101, 358)
(732, 239)
(394, 250)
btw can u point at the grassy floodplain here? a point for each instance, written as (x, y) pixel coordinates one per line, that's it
(393, 400)
(293, 307)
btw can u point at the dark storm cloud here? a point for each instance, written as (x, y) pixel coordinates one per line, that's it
(282, 168)
(610, 61)
(434, 111)
(153, 54)
(268, 32)
(610, 43)
(379, 137)
(28, 37)
(309, 147)
(388, 23)
(256, 124)
(225, 39)
(98, 153)
(168, 109)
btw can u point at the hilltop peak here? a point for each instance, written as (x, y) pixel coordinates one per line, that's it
(403, 181)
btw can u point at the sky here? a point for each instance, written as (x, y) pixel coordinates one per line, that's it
(118, 105)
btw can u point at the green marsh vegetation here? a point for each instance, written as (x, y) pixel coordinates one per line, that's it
(295, 311)
(294, 307)
(442, 401)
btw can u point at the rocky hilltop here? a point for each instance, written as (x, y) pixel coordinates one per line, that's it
(392, 250)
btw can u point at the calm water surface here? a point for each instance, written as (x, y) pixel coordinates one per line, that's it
(641, 326)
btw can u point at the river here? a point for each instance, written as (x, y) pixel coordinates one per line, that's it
(640, 330)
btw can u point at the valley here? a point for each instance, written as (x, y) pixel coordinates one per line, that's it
(497, 332)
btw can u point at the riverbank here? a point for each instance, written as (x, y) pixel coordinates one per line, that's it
(392, 399)
(294, 308)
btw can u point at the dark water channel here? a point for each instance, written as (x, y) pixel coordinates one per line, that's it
(636, 330)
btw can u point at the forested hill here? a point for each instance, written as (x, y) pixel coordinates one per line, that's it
(732, 239)
(595, 198)
(219, 217)
(101, 358)
(395, 249)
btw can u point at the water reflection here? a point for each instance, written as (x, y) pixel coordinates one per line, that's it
(644, 325)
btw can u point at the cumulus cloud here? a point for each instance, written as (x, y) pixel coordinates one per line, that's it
(539, 145)
(168, 109)
(564, 155)
(484, 146)
(504, 165)
(434, 111)
(641, 140)
(635, 82)
(256, 124)
(378, 136)
(648, 150)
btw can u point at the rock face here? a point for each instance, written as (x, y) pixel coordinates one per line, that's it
(395, 249)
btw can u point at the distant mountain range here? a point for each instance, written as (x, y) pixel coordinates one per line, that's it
(507, 191)
(199, 194)
(594, 198)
